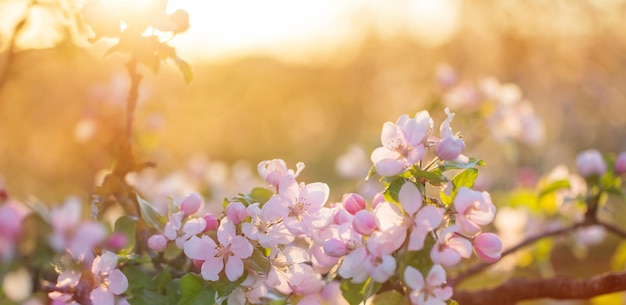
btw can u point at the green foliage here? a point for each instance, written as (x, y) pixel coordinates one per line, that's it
(126, 225)
(150, 216)
(434, 177)
(195, 290)
(554, 186)
(258, 262)
(393, 189)
(390, 297)
(357, 293)
(466, 178)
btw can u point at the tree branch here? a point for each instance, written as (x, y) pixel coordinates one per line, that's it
(519, 289)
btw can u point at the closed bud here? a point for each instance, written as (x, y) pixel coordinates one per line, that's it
(342, 216)
(236, 212)
(620, 163)
(212, 223)
(488, 247)
(590, 163)
(364, 222)
(191, 204)
(353, 202)
(157, 242)
(117, 241)
(450, 148)
(335, 247)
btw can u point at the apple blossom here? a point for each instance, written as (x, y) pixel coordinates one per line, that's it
(10, 230)
(421, 218)
(272, 171)
(191, 204)
(236, 212)
(431, 290)
(266, 224)
(364, 222)
(109, 281)
(450, 146)
(403, 144)
(353, 202)
(590, 163)
(157, 242)
(212, 223)
(230, 252)
(450, 247)
(474, 209)
(488, 247)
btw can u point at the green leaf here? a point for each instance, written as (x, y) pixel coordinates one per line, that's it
(162, 280)
(393, 189)
(452, 302)
(224, 286)
(554, 186)
(195, 291)
(258, 262)
(127, 225)
(466, 178)
(147, 297)
(389, 297)
(473, 162)
(261, 195)
(150, 216)
(138, 280)
(434, 177)
(357, 293)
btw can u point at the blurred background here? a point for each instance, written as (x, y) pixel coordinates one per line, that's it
(533, 83)
(305, 81)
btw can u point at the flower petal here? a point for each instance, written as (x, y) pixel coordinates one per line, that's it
(234, 268)
(201, 249)
(102, 296)
(413, 278)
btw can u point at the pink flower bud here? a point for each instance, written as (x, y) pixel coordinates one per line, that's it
(450, 148)
(212, 223)
(191, 204)
(590, 163)
(117, 241)
(364, 222)
(342, 216)
(353, 202)
(10, 222)
(620, 163)
(236, 212)
(157, 242)
(335, 247)
(488, 247)
(378, 198)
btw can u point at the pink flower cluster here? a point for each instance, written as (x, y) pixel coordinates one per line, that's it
(304, 238)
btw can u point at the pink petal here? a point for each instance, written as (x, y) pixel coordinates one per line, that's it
(317, 193)
(436, 276)
(201, 249)
(211, 268)
(241, 247)
(416, 239)
(387, 162)
(234, 268)
(391, 135)
(117, 281)
(410, 198)
(444, 293)
(429, 218)
(101, 296)
(226, 231)
(104, 263)
(413, 278)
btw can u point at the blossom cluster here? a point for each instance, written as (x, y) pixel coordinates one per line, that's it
(287, 240)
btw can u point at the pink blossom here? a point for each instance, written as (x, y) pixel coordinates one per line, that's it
(364, 222)
(450, 247)
(403, 144)
(109, 280)
(272, 171)
(180, 229)
(231, 251)
(303, 206)
(157, 242)
(10, 230)
(191, 204)
(474, 209)
(342, 216)
(450, 146)
(391, 232)
(384, 267)
(421, 218)
(236, 212)
(353, 202)
(620, 163)
(281, 270)
(590, 163)
(117, 241)
(335, 247)
(212, 223)
(430, 290)
(266, 224)
(488, 247)
(356, 265)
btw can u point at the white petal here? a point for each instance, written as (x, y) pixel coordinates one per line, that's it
(413, 278)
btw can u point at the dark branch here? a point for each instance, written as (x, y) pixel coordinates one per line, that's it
(519, 289)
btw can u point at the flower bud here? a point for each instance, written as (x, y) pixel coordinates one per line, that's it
(353, 202)
(212, 223)
(342, 216)
(335, 247)
(449, 148)
(620, 163)
(157, 242)
(236, 212)
(117, 241)
(488, 247)
(191, 204)
(590, 163)
(364, 222)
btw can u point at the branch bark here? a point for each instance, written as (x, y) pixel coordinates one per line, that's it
(520, 289)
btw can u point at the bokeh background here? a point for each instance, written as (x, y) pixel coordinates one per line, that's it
(306, 81)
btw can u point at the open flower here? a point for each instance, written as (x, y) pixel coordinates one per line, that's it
(403, 144)
(109, 280)
(230, 252)
(430, 290)
(450, 146)
(421, 219)
(450, 247)
(474, 209)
